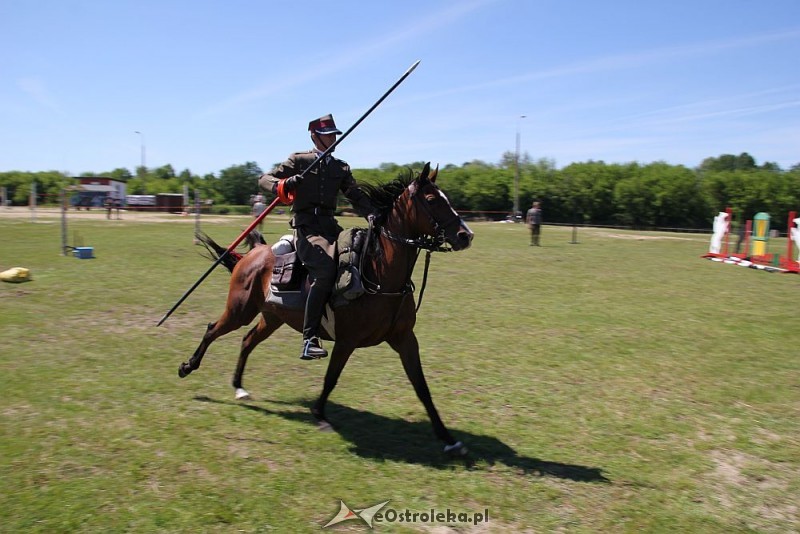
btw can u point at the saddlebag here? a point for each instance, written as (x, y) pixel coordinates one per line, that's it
(348, 279)
(287, 272)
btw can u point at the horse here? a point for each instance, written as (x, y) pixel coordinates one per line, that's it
(416, 215)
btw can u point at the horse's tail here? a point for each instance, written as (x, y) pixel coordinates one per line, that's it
(230, 260)
(216, 251)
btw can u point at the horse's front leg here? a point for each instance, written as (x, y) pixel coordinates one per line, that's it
(408, 348)
(339, 356)
(261, 331)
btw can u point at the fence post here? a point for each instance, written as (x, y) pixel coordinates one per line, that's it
(196, 215)
(63, 203)
(32, 202)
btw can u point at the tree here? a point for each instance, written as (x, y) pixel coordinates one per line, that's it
(165, 172)
(678, 200)
(48, 186)
(729, 162)
(635, 198)
(120, 174)
(239, 182)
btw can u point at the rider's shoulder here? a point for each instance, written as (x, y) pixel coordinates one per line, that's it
(341, 163)
(303, 155)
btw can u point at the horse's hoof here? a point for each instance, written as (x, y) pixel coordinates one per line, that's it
(184, 370)
(242, 394)
(324, 426)
(456, 449)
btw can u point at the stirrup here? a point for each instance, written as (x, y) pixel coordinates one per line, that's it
(312, 349)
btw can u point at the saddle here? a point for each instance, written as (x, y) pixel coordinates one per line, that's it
(290, 282)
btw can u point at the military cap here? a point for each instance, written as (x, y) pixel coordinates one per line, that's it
(324, 125)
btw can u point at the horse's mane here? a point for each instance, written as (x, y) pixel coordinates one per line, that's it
(382, 196)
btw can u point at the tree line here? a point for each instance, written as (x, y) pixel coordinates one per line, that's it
(652, 195)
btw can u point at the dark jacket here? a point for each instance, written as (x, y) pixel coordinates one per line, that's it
(534, 216)
(319, 187)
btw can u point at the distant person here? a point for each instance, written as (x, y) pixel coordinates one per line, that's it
(740, 237)
(258, 208)
(109, 204)
(118, 206)
(534, 220)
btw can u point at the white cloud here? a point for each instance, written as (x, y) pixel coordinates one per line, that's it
(622, 61)
(345, 58)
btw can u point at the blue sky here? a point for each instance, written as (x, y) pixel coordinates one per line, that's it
(210, 84)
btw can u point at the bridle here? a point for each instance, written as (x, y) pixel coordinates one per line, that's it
(431, 243)
(435, 242)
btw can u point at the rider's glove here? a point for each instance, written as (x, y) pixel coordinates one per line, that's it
(290, 184)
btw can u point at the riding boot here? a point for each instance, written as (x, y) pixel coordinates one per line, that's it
(315, 305)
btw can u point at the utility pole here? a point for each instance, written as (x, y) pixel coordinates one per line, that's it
(141, 142)
(516, 174)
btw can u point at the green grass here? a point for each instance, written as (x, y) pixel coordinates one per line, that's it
(619, 384)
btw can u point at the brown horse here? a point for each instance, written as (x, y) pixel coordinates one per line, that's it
(417, 216)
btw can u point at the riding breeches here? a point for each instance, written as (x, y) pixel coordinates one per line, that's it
(317, 254)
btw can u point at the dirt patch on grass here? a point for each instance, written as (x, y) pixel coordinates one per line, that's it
(53, 215)
(639, 237)
(758, 489)
(14, 293)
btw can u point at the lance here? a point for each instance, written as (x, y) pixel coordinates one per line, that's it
(274, 203)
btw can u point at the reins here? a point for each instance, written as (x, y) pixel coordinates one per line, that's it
(429, 243)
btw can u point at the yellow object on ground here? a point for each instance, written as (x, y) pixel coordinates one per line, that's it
(16, 275)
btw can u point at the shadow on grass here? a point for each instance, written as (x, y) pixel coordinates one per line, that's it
(384, 438)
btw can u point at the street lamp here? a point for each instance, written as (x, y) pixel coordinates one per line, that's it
(141, 140)
(516, 173)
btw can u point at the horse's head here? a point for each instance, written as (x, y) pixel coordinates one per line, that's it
(431, 213)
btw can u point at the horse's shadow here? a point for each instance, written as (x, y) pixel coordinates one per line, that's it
(384, 438)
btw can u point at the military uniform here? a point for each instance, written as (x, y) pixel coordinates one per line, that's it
(313, 219)
(534, 219)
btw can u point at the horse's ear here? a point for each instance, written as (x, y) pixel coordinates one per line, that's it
(432, 177)
(423, 176)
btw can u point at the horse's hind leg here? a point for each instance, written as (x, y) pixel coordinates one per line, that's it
(261, 331)
(408, 348)
(227, 323)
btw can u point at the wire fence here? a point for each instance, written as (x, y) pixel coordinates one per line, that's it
(175, 204)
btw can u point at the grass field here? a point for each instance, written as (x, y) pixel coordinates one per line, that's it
(621, 384)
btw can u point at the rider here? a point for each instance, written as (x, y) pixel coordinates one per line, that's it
(315, 228)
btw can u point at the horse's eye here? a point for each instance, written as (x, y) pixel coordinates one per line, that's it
(430, 198)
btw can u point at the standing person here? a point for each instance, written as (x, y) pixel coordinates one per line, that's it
(109, 203)
(258, 208)
(315, 228)
(118, 206)
(534, 220)
(739, 237)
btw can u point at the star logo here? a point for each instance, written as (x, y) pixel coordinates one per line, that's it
(365, 514)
